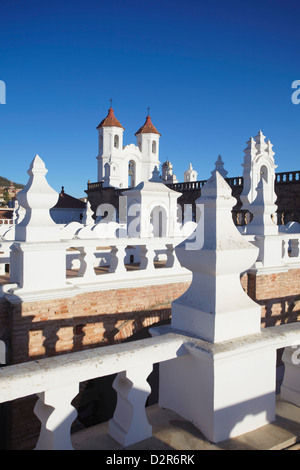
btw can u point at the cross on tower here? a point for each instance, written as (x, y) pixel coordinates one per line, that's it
(148, 111)
(110, 103)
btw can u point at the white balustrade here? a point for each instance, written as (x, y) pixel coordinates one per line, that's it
(129, 423)
(147, 257)
(118, 254)
(55, 381)
(87, 260)
(56, 415)
(78, 260)
(117, 257)
(291, 243)
(294, 248)
(172, 260)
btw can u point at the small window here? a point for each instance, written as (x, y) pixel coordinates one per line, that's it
(116, 141)
(153, 146)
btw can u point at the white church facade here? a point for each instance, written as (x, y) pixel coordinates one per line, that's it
(126, 166)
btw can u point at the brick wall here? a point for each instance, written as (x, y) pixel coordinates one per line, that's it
(278, 294)
(50, 327)
(47, 328)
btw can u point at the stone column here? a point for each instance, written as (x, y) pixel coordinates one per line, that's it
(56, 414)
(129, 423)
(226, 384)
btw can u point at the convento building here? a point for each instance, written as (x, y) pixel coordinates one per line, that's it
(152, 295)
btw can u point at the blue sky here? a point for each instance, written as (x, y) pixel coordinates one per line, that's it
(213, 74)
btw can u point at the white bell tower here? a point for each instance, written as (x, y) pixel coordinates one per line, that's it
(126, 166)
(148, 144)
(110, 134)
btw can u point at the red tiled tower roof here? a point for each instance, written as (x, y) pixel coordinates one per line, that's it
(110, 120)
(147, 127)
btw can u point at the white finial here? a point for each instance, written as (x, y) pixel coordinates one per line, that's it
(155, 175)
(270, 148)
(215, 307)
(220, 167)
(261, 145)
(87, 218)
(262, 208)
(37, 198)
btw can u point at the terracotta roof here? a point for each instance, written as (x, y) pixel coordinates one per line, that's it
(110, 120)
(66, 201)
(147, 127)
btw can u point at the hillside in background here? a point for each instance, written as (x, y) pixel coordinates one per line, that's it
(5, 182)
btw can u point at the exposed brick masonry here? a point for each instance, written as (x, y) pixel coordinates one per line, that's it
(47, 328)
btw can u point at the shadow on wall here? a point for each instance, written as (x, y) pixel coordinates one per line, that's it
(96, 400)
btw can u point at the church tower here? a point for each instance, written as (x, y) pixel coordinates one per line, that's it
(126, 166)
(148, 144)
(110, 134)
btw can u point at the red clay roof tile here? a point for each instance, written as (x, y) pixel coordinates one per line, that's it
(147, 128)
(110, 120)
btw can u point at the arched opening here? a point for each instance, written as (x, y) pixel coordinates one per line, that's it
(131, 174)
(116, 141)
(264, 173)
(153, 146)
(158, 220)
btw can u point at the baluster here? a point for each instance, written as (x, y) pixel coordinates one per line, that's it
(87, 258)
(147, 257)
(129, 423)
(285, 251)
(172, 260)
(294, 248)
(56, 414)
(2, 267)
(290, 389)
(117, 256)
